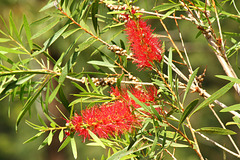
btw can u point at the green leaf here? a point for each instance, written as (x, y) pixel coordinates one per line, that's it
(13, 27)
(189, 84)
(54, 94)
(216, 130)
(63, 98)
(170, 79)
(165, 6)
(236, 119)
(168, 13)
(151, 17)
(94, 12)
(51, 40)
(11, 50)
(70, 32)
(96, 139)
(188, 110)
(74, 147)
(79, 87)
(231, 108)
(33, 138)
(28, 104)
(101, 63)
(34, 126)
(17, 72)
(116, 12)
(61, 135)
(24, 79)
(50, 137)
(28, 32)
(2, 40)
(235, 80)
(51, 120)
(49, 5)
(214, 96)
(65, 143)
(84, 45)
(118, 155)
(143, 105)
(44, 143)
(46, 28)
(156, 113)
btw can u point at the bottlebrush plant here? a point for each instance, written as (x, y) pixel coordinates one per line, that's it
(136, 95)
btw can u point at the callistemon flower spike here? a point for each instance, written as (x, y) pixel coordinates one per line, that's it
(106, 120)
(145, 47)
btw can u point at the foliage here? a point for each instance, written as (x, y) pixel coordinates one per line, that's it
(114, 108)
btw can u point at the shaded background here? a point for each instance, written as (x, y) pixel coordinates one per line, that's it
(11, 147)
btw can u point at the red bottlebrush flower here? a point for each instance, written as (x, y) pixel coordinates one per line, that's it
(145, 47)
(107, 120)
(144, 96)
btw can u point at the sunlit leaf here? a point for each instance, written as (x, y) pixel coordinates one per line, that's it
(49, 5)
(44, 143)
(231, 108)
(96, 139)
(46, 28)
(101, 63)
(65, 143)
(189, 84)
(50, 137)
(29, 103)
(33, 138)
(235, 80)
(61, 135)
(11, 50)
(74, 147)
(28, 32)
(165, 6)
(51, 40)
(216, 130)
(214, 96)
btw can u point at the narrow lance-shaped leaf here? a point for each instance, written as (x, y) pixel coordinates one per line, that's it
(96, 139)
(51, 40)
(231, 108)
(60, 82)
(214, 96)
(13, 28)
(165, 6)
(229, 78)
(187, 111)
(74, 147)
(50, 137)
(143, 105)
(189, 84)
(170, 79)
(28, 32)
(28, 104)
(65, 143)
(61, 135)
(216, 130)
(49, 5)
(101, 63)
(94, 12)
(46, 28)
(11, 50)
(44, 143)
(33, 138)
